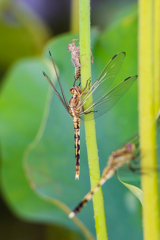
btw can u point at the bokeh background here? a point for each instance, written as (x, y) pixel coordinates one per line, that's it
(33, 179)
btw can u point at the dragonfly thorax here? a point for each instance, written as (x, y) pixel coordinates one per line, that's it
(74, 106)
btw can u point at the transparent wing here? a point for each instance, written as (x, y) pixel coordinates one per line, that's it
(105, 79)
(62, 98)
(106, 102)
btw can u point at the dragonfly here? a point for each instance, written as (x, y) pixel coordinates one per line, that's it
(116, 161)
(129, 155)
(102, 102)
(75, 58)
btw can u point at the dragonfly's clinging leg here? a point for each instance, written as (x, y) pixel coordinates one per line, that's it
(74, 81)
(135, 157)
(92, 58)
(91, 112)
(86, 87)
(74, 40)
(80, 65)
(79, 82)
(130, 167)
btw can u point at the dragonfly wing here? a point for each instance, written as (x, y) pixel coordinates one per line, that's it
(50, 82)
(105, 103)
(63, 95)
(106, 78)
(62, 98)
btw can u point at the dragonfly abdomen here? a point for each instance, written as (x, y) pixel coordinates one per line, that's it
(76, 122)
(106, 175)
(77, 72)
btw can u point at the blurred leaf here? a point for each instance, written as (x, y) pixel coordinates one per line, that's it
(22, 104)
(22, 33)
(135, 190)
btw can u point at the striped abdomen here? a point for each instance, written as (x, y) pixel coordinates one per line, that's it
(76, 122)
(116, 160)
(107, 173)
(77, 72)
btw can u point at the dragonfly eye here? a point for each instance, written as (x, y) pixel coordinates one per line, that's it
(72, 90)
(75, 89)
(130, 147)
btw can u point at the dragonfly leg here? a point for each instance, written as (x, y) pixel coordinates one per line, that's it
(90, 112)
(130, 167)
(88, 83)
(92, 57)
(74, 81)
(74, 40)
(80, 65)
(135, 157)
(79, 82)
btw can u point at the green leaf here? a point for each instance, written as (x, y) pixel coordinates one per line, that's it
(22, 104)
(135, 190)
(22, 33)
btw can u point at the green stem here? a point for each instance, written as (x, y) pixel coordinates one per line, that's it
(147, 122)
(156, 56)
(93, 161)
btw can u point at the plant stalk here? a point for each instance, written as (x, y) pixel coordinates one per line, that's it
(93, 160)
(156, 55)
(147, 122)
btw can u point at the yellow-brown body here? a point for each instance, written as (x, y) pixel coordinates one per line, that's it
(74, 110)
(116, 160)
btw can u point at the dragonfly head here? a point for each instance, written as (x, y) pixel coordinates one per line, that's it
(75, 89)
(130, 147)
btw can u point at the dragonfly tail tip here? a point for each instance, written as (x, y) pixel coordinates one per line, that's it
(77, 177)
(71, 215)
